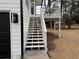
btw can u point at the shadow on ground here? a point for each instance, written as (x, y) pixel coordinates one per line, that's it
(50, 39)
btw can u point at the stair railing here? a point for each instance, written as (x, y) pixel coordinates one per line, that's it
(44, 28)
(25, 33)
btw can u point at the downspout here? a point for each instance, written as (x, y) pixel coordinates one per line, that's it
(21, 13)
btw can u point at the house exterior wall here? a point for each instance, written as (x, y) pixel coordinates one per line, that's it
(15, 28)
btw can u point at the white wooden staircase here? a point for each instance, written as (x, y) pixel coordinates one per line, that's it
(35, 38)
(36, 42)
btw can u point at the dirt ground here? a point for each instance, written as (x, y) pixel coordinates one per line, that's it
(66, 47)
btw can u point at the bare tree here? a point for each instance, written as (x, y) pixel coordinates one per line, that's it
(68, 7)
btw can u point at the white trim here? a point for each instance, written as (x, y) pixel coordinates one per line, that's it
(4, 10)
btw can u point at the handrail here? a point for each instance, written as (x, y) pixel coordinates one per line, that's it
(44, 28)
(42, 19)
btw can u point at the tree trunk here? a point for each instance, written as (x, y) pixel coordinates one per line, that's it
(69, 23)
(71, 15)
(49, 3)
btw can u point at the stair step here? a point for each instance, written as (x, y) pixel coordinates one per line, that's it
(31, 31)
(35, 33)
(37, 27)
(35, 46)
(35, 22)
(34, 30)
(34, 25)
(38, 22)
(35, 37)
(35, 40)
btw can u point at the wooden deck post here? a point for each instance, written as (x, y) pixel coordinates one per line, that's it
(59, 27)
(51, 25)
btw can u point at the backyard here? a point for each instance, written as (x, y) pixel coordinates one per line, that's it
(66, 47)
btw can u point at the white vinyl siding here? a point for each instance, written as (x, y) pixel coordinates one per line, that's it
(15, 28)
